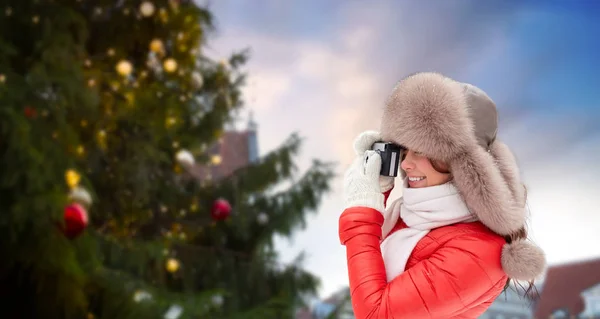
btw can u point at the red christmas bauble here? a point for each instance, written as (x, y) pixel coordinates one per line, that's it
(76, 220)
(30, 112)
(221, 209)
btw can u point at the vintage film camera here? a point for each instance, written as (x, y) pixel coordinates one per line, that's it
(390, 157)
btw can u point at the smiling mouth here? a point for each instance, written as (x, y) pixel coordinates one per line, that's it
(416, 179)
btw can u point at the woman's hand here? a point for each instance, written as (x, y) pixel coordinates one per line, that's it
(363, 142)
(361, 182)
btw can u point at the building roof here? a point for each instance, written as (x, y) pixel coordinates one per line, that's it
(563, 286)
(304, 314)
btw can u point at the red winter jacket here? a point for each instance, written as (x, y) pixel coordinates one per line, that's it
(453, 272)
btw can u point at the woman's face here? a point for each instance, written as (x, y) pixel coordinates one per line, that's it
(421, 172)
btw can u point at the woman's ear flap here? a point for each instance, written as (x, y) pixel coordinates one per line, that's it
(440, 166)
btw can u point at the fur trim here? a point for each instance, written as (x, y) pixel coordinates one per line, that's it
(522, 260)
(507, 165)
(484, 191)
(428, 112)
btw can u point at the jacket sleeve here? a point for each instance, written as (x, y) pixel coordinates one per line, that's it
(456, 275)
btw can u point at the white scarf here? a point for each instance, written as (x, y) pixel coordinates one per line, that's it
(422, 209)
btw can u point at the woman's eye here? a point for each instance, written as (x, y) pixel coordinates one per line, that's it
(403, 154)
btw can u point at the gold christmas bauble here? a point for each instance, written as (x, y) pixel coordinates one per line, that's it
(172, 265)
(170, 65)
(72, 178)
(216, 159)
(124, 67)
(170, 121)
(156, 46)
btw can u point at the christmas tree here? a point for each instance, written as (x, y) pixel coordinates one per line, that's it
(115, 197)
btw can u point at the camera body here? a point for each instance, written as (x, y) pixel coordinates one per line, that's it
(390, 157)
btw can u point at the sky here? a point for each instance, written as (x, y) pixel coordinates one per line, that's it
(324, 68)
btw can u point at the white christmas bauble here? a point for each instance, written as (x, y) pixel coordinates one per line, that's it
(81, 196)
(147, 8)
(173, 312)
(197, 79)
(185, 158)
(217, 300)
(262, 218)
(141, 295)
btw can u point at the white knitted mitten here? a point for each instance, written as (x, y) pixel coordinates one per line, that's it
(361, 182)
(363, 142)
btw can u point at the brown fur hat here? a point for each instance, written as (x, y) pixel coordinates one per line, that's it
(457, 123)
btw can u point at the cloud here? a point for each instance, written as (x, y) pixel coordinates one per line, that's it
(564, 205)
(266, 89)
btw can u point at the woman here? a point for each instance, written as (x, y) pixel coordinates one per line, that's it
(448, 247)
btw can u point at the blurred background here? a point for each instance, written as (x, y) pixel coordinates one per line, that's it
(184, 159)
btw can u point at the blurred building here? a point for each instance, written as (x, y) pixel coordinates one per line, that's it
(513, 303)
(338, 302)
(571, 290)
(234, 150)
